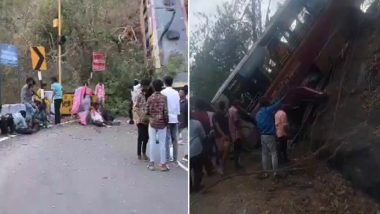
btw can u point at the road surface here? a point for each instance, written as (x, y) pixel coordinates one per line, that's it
(75, 169)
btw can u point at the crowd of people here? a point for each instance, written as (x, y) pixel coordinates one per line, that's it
(160, 113)
(38, 107)
(89, 112)
(214, 133)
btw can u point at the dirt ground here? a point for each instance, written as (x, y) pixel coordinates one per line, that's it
(307, 188)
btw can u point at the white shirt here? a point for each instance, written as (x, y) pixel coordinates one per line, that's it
(95, 116)
(173, 103)
(136, 91)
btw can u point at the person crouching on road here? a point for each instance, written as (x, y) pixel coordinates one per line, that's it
(266, 127)
(282, 134)
(20, 125)
(96, 116)
(157, 111)
(142, 121)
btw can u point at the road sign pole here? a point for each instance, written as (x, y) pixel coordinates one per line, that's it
(40, 80)
(59, 45)
(40, 77)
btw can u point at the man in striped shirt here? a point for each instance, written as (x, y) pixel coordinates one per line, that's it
(157, 111)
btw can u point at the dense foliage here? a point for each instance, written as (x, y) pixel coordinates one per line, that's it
(220, 42)
(88, 25)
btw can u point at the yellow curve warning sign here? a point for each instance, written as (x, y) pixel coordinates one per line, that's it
(67, 103)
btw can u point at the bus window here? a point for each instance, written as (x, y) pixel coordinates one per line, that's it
(270, 68)
(293, 26)
(315, 6)
(279, 50)
(261, 80)
(272, 63)
(304, 16)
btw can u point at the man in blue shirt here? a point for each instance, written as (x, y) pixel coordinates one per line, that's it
(57, 96)
(266, 127)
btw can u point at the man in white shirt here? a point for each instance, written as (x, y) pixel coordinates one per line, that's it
(174, 112)
(135, 90)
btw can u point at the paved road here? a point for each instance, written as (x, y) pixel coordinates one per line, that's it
(74, 169)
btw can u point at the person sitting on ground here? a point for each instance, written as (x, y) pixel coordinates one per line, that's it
(20, 125)
(197, 136)
(222, 135)
(96, 117)
(266, 127)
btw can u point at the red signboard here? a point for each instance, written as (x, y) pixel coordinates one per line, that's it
(98, 62)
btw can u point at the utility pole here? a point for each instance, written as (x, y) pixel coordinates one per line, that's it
(59, 43)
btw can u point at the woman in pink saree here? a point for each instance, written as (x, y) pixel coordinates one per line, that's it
(82, 103)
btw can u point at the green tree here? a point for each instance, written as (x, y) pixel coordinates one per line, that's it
(220, 42)
(88, 25)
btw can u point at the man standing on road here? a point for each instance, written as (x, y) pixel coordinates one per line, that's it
(174, 112)
(135, 90)
(266, 127)
(157, 111)
(57, 96)
(141, 121)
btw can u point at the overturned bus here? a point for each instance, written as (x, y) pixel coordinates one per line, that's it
(163, 26)
(303, 43)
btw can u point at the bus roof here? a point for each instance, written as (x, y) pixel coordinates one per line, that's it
(163, 16)
(283, 11)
